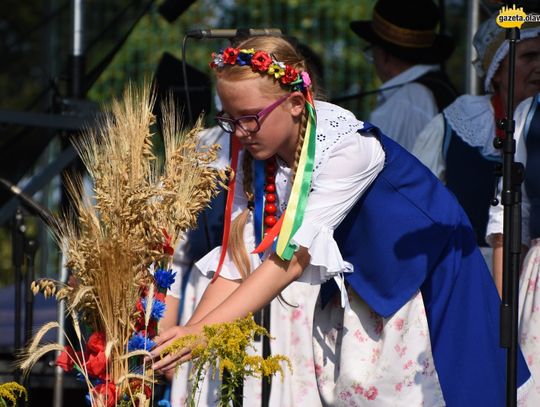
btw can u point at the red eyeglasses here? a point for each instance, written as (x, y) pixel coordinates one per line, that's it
(250, 123)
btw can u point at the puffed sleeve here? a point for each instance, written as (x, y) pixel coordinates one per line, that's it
(352, 166)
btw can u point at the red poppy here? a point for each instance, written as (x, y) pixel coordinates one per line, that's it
(261, 61)
(66, 359)
(139, 305)
(105, 393)
(151, 328)
(96, 343)
(290, 75)
(229, 55)
(96, 365)
(167, 248)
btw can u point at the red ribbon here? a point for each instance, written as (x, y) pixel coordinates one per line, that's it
(270, 236)
(235, 149)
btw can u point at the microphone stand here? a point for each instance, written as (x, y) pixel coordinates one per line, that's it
(513, 174)
(18, 229)
(24, 247)
(30, 249)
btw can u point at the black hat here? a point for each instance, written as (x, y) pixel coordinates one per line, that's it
(406, 29)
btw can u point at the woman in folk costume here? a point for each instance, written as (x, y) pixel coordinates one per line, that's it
(408, 313)
(459, 142)
(527, 137)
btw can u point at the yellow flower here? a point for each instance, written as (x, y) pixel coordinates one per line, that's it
(10, 392)
(224, 348)
(276, 70)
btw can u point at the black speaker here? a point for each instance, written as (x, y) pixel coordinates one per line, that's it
(168, 80)
(171, 9)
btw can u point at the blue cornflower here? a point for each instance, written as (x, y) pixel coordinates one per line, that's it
(139, 341)
(158, 308)
(164, 278)
(244, 58)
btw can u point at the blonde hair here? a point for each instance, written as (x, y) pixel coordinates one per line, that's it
(285, 52)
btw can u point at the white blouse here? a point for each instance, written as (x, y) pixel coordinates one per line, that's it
(346, 163)
(496, 213)
(403, 111)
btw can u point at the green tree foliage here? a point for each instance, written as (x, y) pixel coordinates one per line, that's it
(323, 25)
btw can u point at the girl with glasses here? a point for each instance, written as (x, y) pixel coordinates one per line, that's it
(408, 312)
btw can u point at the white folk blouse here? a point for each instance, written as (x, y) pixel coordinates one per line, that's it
(346, 163)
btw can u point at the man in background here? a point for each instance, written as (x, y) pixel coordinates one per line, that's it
(407, 52)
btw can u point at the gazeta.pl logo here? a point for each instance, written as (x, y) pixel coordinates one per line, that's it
(510, 17)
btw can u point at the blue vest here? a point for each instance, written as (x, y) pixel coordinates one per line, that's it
(207, 235)
(471, 177)
(532, 169)
(408, 233)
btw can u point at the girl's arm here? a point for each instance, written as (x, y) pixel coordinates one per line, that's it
(263, 285)
(214, 295)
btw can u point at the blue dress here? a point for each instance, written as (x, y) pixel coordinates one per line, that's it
(408, 233)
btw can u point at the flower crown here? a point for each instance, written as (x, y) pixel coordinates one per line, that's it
(263, 62)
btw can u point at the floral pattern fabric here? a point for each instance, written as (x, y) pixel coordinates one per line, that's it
(529, 312)
(291, 327)
(362, 359)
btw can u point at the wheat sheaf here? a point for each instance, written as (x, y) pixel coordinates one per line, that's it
(140, 201)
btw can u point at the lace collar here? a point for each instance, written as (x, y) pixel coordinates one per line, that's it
(333, 123)
(472, 118)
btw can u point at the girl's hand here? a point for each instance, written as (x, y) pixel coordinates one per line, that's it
(167, 364)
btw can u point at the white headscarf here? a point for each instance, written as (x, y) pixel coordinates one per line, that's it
(491, 47)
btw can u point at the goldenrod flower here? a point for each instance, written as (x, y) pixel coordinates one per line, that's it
(224, 348)
(11, 392)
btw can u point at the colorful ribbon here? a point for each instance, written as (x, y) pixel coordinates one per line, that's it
(292, 218)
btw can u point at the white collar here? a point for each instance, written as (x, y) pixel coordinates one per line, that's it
(408, 75)
(473, 120)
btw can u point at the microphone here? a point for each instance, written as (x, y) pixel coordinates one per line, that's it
(28, 202)
(232, 32)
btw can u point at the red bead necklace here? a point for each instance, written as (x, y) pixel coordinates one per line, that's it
(270, 207)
